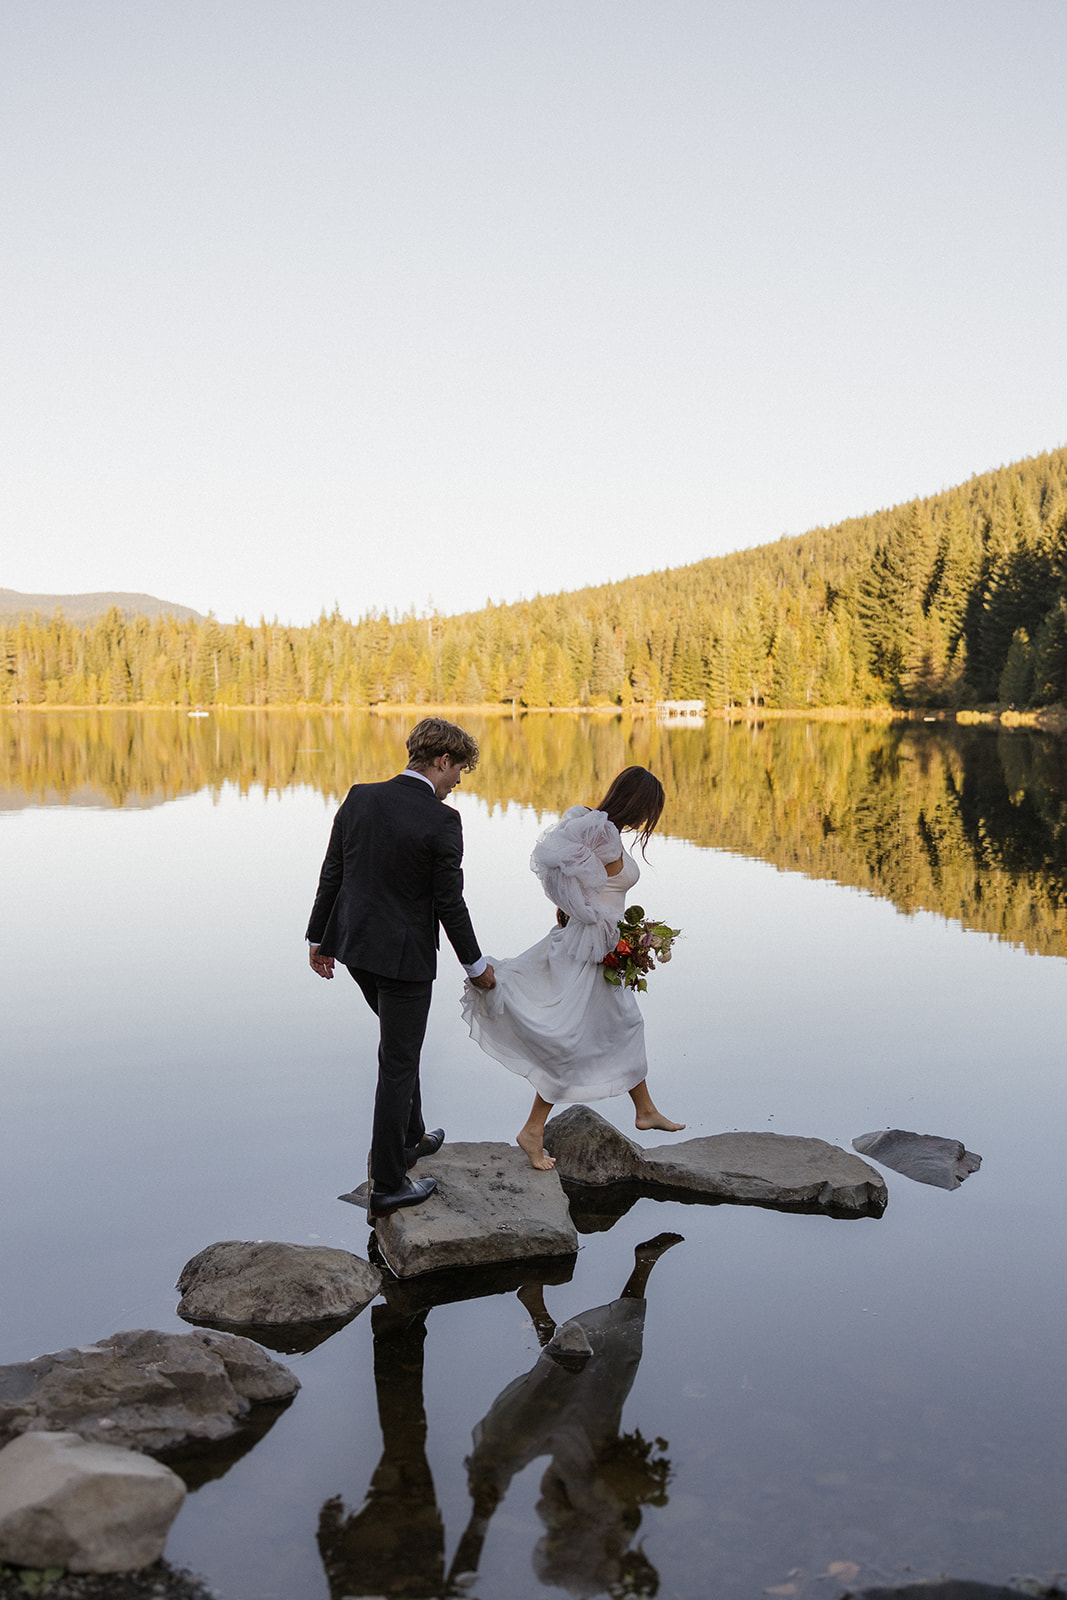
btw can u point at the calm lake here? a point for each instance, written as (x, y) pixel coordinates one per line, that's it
(875, 935)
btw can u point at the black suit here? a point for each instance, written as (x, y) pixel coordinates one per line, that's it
(392, 876)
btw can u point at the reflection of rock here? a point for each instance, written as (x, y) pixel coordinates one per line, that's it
(88, 1507)
(198, 1462)
(288, 1338)
(490, 1205)
(142, 1389)
(265, 1284)
(412, 1295)
(926, 1157)
(765, 1168)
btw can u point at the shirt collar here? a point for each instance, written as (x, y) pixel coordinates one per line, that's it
(409, 772)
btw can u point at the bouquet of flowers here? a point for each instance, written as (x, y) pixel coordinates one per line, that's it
(642, 942)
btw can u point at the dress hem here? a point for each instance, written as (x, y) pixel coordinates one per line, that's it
(520, 1067)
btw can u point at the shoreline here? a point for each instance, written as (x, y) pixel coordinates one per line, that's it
(1047, 719)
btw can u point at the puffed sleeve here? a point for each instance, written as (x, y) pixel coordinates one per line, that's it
(571, 860)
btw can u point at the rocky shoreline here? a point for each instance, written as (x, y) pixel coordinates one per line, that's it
(157, 1582)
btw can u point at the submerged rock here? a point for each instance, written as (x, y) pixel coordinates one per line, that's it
(142, 1389)
(926, 1157)
(261, 1283)
(946, 1589)
(489, 1205)
(89, 1507)
(762, 1168)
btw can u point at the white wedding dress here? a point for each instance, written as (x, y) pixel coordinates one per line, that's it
(553, 1017)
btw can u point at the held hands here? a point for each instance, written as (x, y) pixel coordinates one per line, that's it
(323, 965)
(485, 980)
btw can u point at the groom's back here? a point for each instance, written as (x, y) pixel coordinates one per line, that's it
(387, 830)
(395, 839)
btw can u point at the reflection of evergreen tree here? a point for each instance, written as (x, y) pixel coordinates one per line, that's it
(956, 820)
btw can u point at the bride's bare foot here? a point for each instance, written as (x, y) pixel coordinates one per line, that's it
(535, 1151)
(656, 1119)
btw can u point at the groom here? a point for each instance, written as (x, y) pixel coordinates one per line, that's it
(392, 876)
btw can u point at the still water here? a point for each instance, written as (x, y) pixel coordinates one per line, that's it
(875, 933)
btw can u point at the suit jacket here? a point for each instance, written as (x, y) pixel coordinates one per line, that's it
(392, 876)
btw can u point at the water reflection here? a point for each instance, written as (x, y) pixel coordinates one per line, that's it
(395, 1543)
(198, 1462)
(568, 1408)
(969, 822)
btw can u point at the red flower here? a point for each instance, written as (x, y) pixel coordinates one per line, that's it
(623, 948)
(611, 959)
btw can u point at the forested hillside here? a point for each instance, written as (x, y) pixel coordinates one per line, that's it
(956, 599)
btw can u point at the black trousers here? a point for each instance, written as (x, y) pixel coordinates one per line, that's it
(402, 1010)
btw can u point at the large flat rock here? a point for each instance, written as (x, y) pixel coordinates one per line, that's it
(755, 1168)
(143, 1390)
(489, 1205)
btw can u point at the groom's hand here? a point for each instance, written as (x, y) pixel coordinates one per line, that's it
(485, 980)
(323, 965)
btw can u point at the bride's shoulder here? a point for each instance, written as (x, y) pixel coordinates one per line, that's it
(594, 829)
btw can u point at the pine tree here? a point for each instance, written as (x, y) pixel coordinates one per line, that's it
(534, 687)
(1016, 680)
(790, 689)
(1050, 657)
(608, 669)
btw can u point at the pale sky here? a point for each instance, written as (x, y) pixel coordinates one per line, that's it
(424, 302)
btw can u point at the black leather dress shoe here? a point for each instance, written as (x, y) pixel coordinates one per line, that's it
(412, 1192)
(428, 1145)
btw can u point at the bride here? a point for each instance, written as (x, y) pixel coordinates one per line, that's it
(552, 1017)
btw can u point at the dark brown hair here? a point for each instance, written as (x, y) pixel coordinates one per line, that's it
(433, 737)
(635, 800)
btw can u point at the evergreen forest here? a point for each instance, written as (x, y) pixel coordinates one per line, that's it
(954, 600)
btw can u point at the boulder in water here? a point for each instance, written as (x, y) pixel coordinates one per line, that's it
(926, 1157)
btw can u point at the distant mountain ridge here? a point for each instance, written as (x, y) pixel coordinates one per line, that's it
(83, 608)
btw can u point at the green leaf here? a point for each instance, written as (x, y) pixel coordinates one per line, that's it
(32, 1580)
